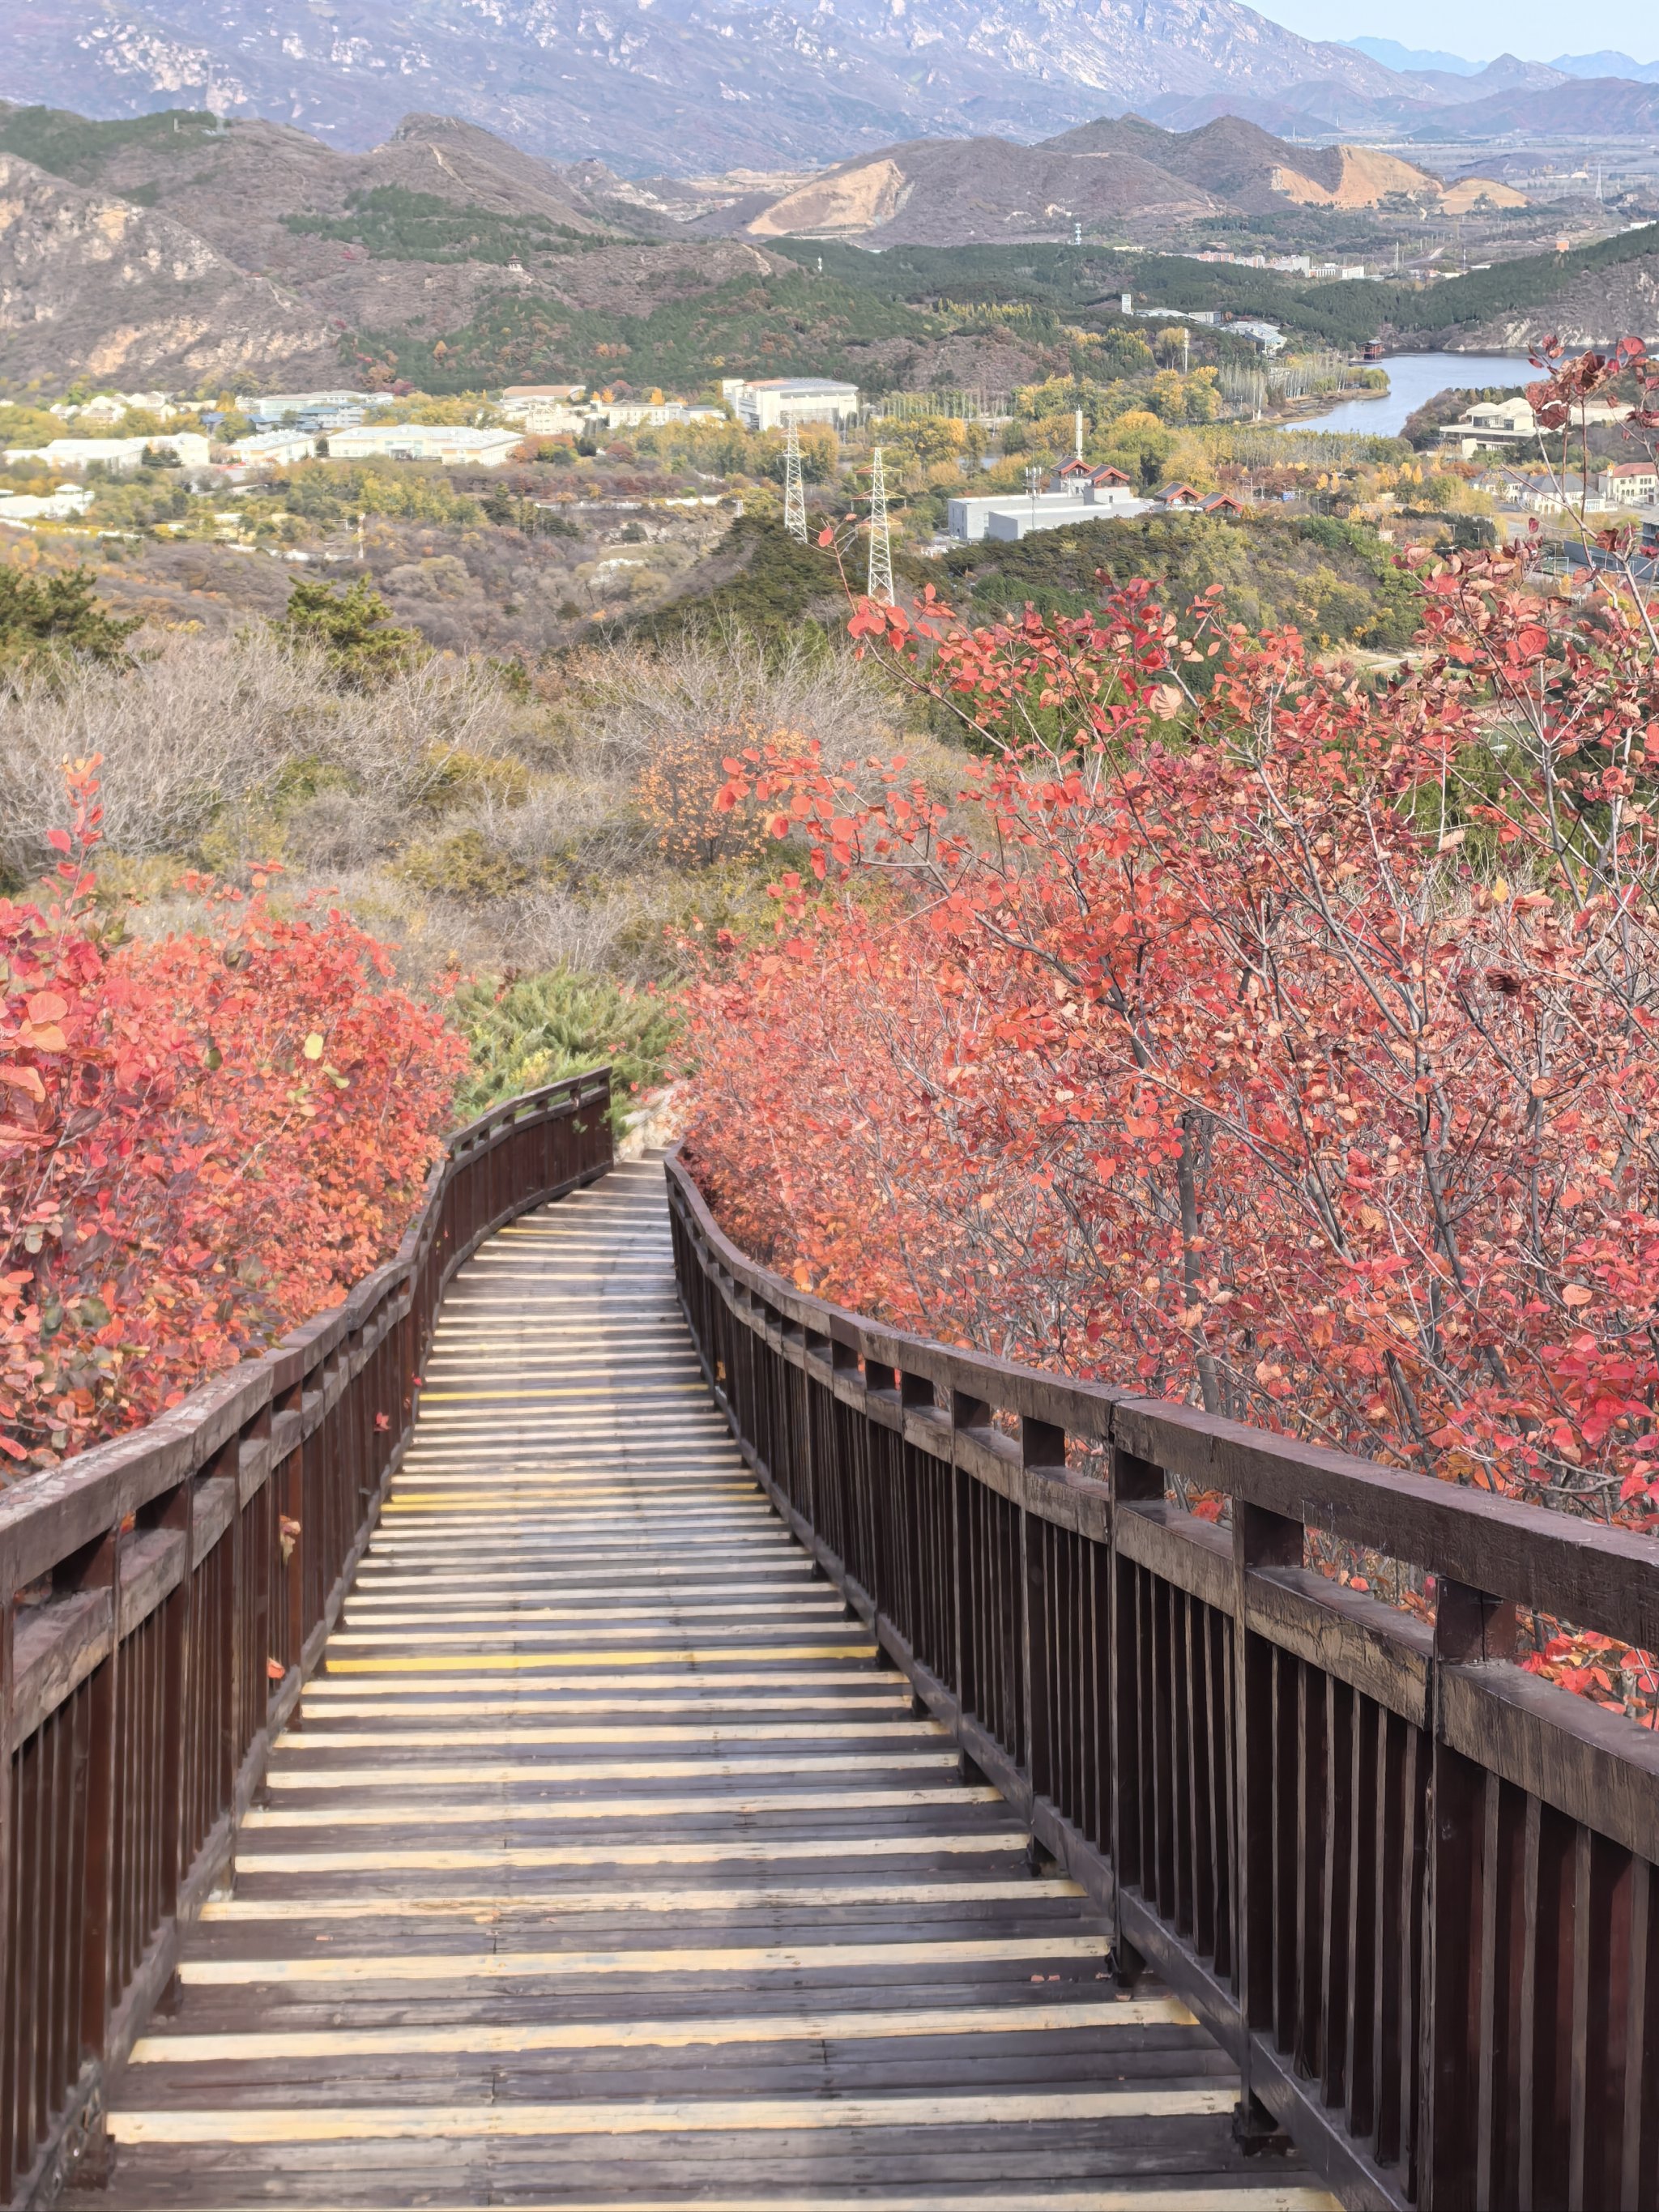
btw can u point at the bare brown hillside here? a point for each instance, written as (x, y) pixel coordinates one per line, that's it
(90, 284)
(980, 192)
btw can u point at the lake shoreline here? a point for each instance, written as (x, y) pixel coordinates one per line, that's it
(1413, 380)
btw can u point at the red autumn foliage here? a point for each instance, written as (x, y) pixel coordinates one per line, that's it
(202, 1142)
(1258, 1040)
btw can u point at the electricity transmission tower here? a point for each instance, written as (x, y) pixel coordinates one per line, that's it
(880, 586)
(794, 495)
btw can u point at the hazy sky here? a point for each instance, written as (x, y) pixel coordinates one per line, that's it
(1480, 28)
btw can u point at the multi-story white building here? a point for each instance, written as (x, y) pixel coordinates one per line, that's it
(1511, 421)
(1629, 484)
(547, 410)
(777, 400)
(651, 414)
(271, 408)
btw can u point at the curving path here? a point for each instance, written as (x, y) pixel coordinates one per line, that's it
(605, 1869)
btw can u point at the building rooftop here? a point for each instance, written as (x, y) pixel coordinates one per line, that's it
(800, 384)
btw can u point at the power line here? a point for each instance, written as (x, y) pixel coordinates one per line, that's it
(881, 585)
(794, 494)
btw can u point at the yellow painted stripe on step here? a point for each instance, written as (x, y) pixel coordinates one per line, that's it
(241, 2049)
(842, 1679)
(487, 1397)
(1270, 2196)
(861, 1689)
(664, 1615)
(773, 1896)
(529, 1858)
(665, 1807)
(877, 1716)
(438, 1661)
(414, 1774)
(408, 1548)
(509, 1620)
(721, 1958)
(506, 1602)
(719, 1483)
(504, 1511)
(670, 1732)
(756, 1634)
(661, 2116)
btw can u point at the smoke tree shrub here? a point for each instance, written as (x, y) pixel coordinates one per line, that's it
(1237, 1034)
(202, 1142)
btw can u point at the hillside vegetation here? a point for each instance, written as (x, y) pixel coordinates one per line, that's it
(391, 223)
(1334, 579)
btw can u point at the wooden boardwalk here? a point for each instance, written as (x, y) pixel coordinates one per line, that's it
(605, 1868)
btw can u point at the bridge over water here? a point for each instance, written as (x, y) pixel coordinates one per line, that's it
(586, 1725)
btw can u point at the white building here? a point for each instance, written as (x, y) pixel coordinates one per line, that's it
(775, 400)
(551, 410)
(1012, 514)
(273, 449)
(110, 406)
(1629, 484)
(1511, 421)
(453, 444)
(56, 507)
(1546, 492)
(550, 418)
(117, 454)
(1497, 422)
(651, 414)
(273, 407)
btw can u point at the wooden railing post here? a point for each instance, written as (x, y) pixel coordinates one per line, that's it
(1472, 1628)
(969, 1415)
(1269, 1830)
(1041, 1451)
(98, 1569)
(1132, 1481)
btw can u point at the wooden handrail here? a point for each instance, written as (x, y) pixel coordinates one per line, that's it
(163, 1598)
(1409, 1885)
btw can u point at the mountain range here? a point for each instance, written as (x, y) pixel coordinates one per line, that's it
(682, 86)
(1606, 63)
(179, 250)
(1118, 172)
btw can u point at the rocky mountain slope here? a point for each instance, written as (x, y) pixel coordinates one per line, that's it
(171, 250)
(669, 86)
(90, 284)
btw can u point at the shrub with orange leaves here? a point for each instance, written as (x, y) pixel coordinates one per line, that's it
(677, 795)
(1265, 1041)
(202, 1142)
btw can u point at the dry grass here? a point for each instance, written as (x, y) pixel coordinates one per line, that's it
(468, 826)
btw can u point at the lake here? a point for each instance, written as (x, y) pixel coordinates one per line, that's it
(1413, 378)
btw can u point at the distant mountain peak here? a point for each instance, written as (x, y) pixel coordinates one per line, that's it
(1394, 56)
